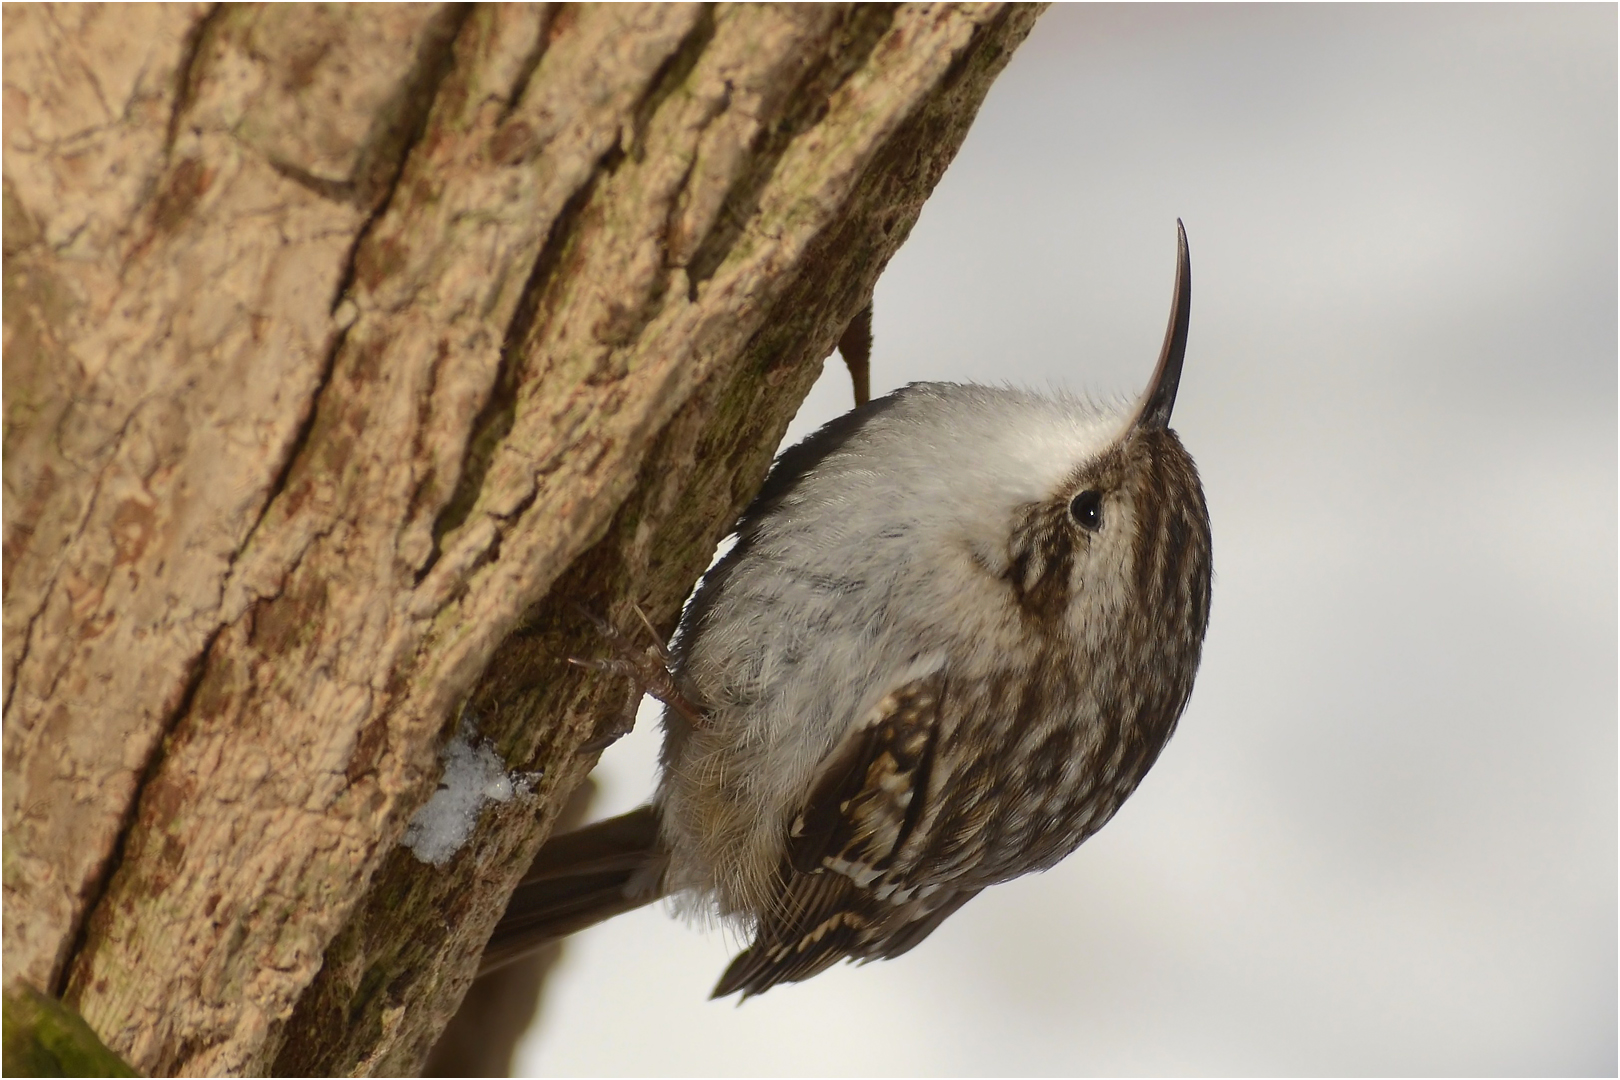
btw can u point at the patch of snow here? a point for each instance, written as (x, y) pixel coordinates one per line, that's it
(474, 774)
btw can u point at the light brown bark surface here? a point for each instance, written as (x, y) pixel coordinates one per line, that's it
(345, 349)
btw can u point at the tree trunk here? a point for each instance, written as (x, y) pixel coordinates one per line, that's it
(347, 350)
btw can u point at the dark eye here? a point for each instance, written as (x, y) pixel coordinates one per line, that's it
(1086, 509)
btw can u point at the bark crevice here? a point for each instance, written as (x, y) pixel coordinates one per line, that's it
(436, 60)
(672, 73)
(187, 73)
(807, 104)
(150, 768)
(402, 122)
(494, 421)
(530, 63)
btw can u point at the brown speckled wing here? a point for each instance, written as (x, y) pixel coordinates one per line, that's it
(842, 896)
(868, 794)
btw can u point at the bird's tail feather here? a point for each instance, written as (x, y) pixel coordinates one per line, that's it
(577, 880)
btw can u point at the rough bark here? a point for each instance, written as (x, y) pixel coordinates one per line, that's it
(482, 1037)
(346, 349)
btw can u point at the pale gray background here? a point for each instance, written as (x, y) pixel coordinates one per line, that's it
(1384, 838)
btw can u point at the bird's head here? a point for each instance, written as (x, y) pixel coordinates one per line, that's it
(1108, 533)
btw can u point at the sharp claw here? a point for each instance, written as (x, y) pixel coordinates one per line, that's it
(603, 627)
(601, 742)
(651, 629)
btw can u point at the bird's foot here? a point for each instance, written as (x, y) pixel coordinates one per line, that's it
(649, 669)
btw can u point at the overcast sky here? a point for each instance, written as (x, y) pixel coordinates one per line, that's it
(1383, 839)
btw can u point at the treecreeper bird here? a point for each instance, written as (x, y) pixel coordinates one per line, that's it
(956, 629)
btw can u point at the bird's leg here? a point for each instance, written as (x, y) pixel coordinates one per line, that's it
(650, 671)
(855, 346)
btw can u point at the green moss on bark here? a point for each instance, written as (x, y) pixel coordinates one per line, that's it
(43, 1037)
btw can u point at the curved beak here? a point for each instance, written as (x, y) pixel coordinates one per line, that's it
(1160, 396)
